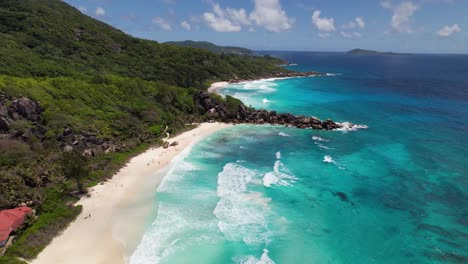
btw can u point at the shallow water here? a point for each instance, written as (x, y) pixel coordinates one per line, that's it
(393, 193)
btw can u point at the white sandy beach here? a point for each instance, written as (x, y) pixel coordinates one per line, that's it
(113, 218)
(216, 86)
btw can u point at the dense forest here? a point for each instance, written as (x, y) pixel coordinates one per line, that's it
(47, 38)
(204, 45)
(75, 89)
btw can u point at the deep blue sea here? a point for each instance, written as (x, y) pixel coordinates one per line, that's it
(396, 192)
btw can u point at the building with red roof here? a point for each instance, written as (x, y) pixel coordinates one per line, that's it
(10, 220)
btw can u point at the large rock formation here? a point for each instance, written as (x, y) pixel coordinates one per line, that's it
(214, 109)
(17, 109)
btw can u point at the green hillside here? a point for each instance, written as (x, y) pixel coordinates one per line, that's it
(204, 45)
(41, 38)
(71, 85)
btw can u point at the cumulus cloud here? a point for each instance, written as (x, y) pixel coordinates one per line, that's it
(238, 16)
(401, 17)
(186, 25)
(100, 11)
(270, 15)
(225, 20)
(161, 23)
(448, 31)
(323, 23)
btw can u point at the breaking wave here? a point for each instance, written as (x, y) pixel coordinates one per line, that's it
(348, 126)
(329, 159)
(280, 174)
(241, 213)
(264, 259)
(317, 138)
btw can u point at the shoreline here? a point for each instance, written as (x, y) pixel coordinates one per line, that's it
(216, 86)
(101, 233)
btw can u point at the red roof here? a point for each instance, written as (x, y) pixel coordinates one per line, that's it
(12, 219)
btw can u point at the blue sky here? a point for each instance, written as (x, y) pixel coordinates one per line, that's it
(423, 26)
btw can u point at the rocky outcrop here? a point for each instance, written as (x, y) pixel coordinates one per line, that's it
(23, 108)
(17, 109)
(216, 110)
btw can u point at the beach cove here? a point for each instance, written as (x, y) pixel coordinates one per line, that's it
(114, 215)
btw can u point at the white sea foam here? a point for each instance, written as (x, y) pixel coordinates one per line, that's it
(322, 146)
(161, 240)
(317, 138)
(260, 86)
(328, 159)
(283, 134)
(348, 126)
(266, 101)
(241, 213)
(233, 179)
(280, 174)
(332, 74)
(264, 259)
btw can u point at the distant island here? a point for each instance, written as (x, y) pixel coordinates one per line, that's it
(204, 45)
(369, 52)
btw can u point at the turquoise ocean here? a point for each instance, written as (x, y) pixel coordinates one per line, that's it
(396, 192)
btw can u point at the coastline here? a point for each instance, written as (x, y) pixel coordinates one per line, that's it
(214, 87)
(101, 233)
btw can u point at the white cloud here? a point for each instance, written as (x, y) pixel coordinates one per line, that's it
(357, 23)
(186, 25)
(360, 22)
(100, 11)
(447, 31)
(324, 35)
(238, 16)
(224, 20)
(270, 15)
(351, 35)
(323, 23)
(171, 2)
(82, 9)
(401, 15)
(162, 23)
